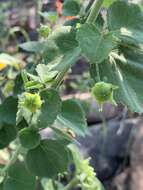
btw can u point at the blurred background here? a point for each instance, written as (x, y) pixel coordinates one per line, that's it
(116, 141)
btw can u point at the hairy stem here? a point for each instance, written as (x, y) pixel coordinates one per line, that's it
(95, 9)
(59, 78)
(11, 161)
(72, 184)
(98, 73)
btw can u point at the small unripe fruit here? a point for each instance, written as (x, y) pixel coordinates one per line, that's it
(32, 102)
(44, 31)
(103, 92)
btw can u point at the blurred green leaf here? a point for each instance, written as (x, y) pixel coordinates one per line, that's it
(50, 108)
(8, 110)
(33, 46)
(65, 38)
(7, 134)
(50, 16)
(29, 138)
(45, 74)
(72, 116)
(19, 178)
(107, 3)
(49, 159)
(71, 7)
(129, 24)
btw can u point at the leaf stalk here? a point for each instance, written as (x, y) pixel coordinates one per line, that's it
(95, 9)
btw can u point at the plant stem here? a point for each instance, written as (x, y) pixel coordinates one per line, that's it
(72, 184)
(11, 161)
(95, 9)
(98, 73)
(59, 78)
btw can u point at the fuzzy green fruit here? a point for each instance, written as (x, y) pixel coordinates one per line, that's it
(32, 102)
(103, 92)
(44, 31)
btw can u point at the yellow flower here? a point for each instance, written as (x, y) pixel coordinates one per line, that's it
(2, 65)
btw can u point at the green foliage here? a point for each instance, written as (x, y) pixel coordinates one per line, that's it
(50, 108)
(114, 49)
(45, 74)
(129, 23)
(7, 134)
(49, 159)
(50, 16)
(87, 177)
(1, 186)
(126, 73)
(29, 138)
(33, 47)
(71, 7)
(65, 38)
(107, 3)
(96, 46)
(84, 173)
(72, 117)
(6, 116)
(19, 178)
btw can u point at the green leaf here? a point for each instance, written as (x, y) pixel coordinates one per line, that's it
(19, 178)
(60, 42)
(44, 73)
(72, 116)
(33, 84)
(71, 7)
(107, 3)
(7, 134)
(22, 124)
(50, 16)
(23, 113)
(8, 110)
(50, 52)
(1, 186)
(33, 46)
(29, 138)
(66, 60)
(127, 73)
(99, 23)
(49, 109)
(18, 85)
(8, 87)
(127, 18)
(95, 45)
(49, 159)
(65, 38)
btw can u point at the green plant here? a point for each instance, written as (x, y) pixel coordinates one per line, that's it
(114, 49)
(103, 92)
